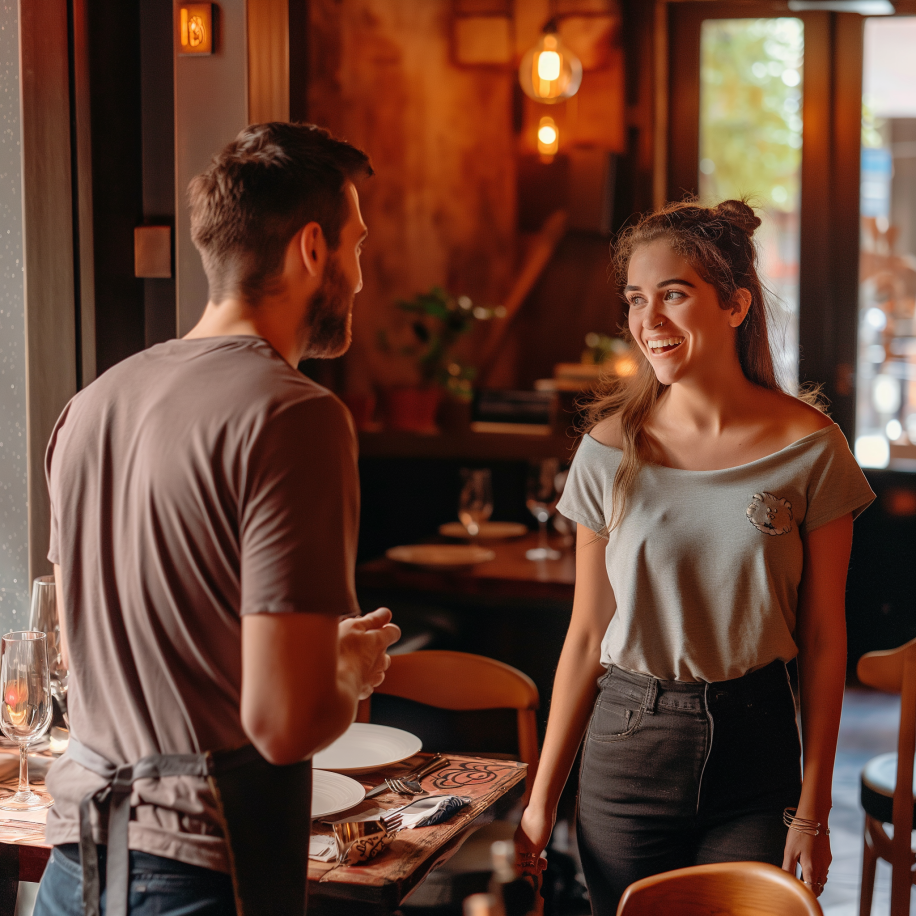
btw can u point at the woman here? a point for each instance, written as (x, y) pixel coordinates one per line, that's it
(714, 520)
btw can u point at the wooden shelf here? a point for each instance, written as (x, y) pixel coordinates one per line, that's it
(465, 444)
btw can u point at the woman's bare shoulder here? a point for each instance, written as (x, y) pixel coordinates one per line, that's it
(608, 432)
(797, 417)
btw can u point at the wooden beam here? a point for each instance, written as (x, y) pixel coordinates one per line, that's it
(268, 60)
(50, 307)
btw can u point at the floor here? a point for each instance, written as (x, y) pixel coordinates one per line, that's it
(868, 728)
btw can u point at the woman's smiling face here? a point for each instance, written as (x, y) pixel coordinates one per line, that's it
(675, 316)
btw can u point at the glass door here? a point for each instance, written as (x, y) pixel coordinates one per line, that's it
(886, 358)
(750, 140)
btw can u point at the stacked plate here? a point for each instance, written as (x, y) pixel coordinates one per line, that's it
(360, 749)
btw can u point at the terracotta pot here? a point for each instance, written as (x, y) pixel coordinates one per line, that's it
(412, 409)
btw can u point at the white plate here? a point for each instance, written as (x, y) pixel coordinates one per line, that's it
(440, 556)
(364, 747)
(489, 531)
(333, 793)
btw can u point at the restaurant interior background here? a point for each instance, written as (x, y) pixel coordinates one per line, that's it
(104, 122)
(806, 106)
(809, 107)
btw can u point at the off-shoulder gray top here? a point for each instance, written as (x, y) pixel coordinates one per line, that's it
(706, 565)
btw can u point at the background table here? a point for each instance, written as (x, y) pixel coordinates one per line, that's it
(509, 574)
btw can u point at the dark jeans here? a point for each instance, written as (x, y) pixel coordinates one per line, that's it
(158, 887)
(676, 774)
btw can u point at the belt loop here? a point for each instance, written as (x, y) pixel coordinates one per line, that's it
(651, 695)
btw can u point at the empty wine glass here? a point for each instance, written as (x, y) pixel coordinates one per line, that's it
(25, 707)
(542, 496)
(475, 504)
(44, 618)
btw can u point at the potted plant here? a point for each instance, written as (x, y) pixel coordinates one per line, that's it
(437, 320)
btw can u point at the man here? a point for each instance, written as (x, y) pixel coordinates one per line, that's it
(204, 512)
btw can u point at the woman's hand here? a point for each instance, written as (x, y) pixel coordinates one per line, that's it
(813, 854)
(532, 837)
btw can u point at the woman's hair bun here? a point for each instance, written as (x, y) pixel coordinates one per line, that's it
(739, 214)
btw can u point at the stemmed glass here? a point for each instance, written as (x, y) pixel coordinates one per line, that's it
(475, 504)
(543, 493)
(25, 707)
(44, 618)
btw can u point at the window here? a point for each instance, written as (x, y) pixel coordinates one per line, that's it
(886, 359)
(751, 83)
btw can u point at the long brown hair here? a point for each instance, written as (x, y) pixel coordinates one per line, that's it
(718, 243)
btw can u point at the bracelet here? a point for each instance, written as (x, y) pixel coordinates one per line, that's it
(803, 824)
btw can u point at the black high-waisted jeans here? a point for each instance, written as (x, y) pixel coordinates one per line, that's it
(676, 774)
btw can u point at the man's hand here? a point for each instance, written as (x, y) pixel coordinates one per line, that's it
(363, 644)
(303, 675)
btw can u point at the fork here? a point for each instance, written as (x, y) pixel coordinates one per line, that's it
(392, 822)
(410, 784)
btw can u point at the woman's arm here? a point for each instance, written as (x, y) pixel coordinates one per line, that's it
(574, 690)
(821, 636)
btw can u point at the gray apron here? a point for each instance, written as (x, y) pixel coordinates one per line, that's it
(264, 811)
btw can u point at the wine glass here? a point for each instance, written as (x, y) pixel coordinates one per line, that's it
(475, 504)
(25, 707)
(44, 618)
(542, 497)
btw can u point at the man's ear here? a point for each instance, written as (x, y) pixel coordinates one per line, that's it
(313, 248)
(740, 306)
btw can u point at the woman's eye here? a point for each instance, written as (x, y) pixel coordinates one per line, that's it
(636, 301)
(673, 294)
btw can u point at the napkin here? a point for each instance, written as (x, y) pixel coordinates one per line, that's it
(433, 809)
(323, 848)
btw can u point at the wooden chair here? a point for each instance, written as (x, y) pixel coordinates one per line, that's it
(726, 889)
(460, 681)
(887, 790)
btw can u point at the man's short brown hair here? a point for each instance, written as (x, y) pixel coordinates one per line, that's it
(268, 183)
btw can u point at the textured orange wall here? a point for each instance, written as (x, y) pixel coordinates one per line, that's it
(441, 207)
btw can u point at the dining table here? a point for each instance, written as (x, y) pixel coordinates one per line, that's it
(374, 888)
(508, 574)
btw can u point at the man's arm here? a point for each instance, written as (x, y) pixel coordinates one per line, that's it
(303, 675)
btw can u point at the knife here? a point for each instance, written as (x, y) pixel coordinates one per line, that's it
(433, 764)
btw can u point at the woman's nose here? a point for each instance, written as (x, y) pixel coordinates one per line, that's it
(652, 317)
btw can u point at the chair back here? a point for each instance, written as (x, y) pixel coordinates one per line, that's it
(461, 681)
(726, 888)
(894, 671)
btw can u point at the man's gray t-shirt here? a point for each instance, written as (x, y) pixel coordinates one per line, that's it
(706, 565)
(193, 483)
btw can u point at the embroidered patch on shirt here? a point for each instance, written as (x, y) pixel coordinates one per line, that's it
(770, 514)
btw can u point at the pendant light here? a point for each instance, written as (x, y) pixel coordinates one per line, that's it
(550, 72)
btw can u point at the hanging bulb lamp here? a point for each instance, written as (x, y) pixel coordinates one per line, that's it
(548, 138)
(550, 72)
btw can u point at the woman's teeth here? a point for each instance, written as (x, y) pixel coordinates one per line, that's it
(666, 345)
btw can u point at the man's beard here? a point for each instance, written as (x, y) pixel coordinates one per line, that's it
(326, 326)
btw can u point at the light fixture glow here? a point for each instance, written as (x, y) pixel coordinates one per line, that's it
(548, 65)
(550, 72)
(862, 7)
(548, 138)
(873, 451)
(547, 134)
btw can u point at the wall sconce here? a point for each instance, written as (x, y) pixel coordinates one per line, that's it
(195, 28)
(548, 139)
(550, 72)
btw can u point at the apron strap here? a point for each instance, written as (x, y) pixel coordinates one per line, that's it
(118, 789)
